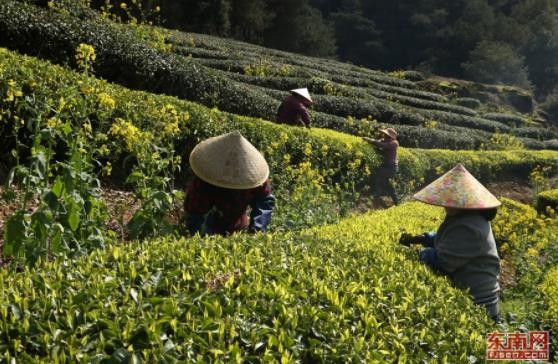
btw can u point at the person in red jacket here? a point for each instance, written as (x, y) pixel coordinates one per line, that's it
(230, 175)
(293, 111)
(390, 164)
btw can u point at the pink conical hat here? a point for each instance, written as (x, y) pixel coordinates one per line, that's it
(458, 189)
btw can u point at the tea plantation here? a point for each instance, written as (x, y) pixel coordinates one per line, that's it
(87, 103)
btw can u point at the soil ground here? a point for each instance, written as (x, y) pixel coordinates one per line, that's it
(121, 206)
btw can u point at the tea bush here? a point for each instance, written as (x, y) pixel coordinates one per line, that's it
(508, 119)
(105, 102)
(123, 58)
(547, 199)
(549, 289)
(528, 248)
(468, 102)
(338, 293)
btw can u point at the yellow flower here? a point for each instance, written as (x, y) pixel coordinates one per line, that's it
(107, 169)
(85, 56)
(87, 128)
(53, 122)
(106, 101)
(283, 137)
(13, 91)
(131, 134)
(104, 150)
(171, 129)
(61, 104)
(307, 149)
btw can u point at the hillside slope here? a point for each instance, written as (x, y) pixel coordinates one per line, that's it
(251, 80)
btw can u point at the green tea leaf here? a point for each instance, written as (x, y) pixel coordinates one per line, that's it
(73, 217)
(14, 233)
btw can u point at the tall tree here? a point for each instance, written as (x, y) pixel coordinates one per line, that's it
(496, 62)
(540, 26)
(358, 40)
(299, 27)
(203, 16)
(250, 19)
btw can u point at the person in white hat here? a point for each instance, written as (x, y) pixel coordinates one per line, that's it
(382, 177)
(230, 175)
(463, 248)
(293, 111)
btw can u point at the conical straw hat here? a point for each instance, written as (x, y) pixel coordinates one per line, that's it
(390, 132)
(458, 189)
(303, 92)
(229, 161)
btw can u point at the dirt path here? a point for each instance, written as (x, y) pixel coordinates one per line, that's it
(122, 205)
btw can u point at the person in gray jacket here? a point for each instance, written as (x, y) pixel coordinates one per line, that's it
(463, 248)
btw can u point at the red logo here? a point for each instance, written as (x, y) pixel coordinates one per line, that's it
(532, 345)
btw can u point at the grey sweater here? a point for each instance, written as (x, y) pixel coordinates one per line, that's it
(466, 251)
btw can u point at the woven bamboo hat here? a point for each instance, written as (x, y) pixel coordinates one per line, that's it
(303, 92)
(390, 132)
(458, 189)
(229, 161)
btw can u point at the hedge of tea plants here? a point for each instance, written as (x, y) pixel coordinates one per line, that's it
(345, 292)
(547, 199)
(420, 102)
(339, 293)
(65, 132)
(39, 97)
(124, 58)
(528, 247)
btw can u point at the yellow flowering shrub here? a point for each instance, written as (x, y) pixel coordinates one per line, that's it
(549, 289)
(85, 56)
(128, 131)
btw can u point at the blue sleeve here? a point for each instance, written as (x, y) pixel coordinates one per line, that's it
(260, 216)
(429, 256)
(194, 223)
(429, 239)
(202, 224)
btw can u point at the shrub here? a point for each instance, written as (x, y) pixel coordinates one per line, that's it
(468, 102)
(365, 82)
(200, 53)
(464, 121)
(547, 199)
(508, 119)
(413, 75)
(549, 289)
(503, 142)
(535, 133)
(316, 295)
(122, 58)
(529, 254)
(40, 80)
(125, 59)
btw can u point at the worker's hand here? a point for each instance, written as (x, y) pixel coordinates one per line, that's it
(408, 239)
(367, 139)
